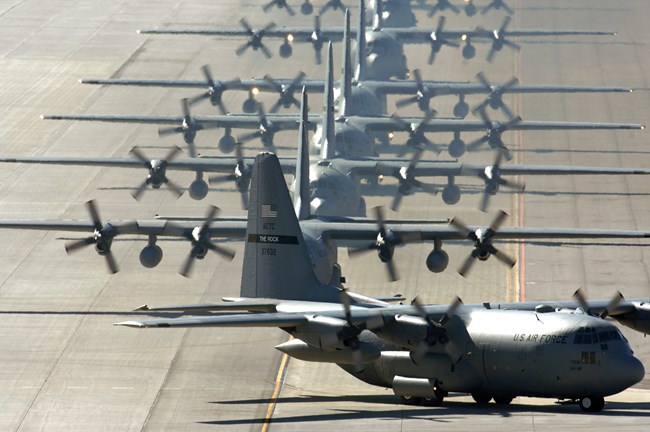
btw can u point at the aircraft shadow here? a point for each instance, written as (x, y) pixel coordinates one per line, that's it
(450, 410)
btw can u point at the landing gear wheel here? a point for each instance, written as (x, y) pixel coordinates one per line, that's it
(503, 400)
(431, 401)
(592, 403)
(411, 400)
(481, 398)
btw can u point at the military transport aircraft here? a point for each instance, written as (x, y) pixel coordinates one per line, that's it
(368, 97)
(385, 53)
(319, 232)
(419, 351)
(365, 97)
(335, 180)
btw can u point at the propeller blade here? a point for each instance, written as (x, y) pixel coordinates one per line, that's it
(392, 271)
(581, 299)
(187, 266)
(498, 220)
(138, 192)
(242, 48)
(110, 260)
(407, 101)
(139, 155)
(75, 245)
(467, 265)
(220, 250)
(509, 261)
(164, 131)
(612, 305)
(173, 187)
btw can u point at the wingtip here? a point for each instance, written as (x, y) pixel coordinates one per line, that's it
(42, 116)
(138, 31)
(135, 324)
(144, 307)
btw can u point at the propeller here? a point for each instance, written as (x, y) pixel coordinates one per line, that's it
(157, 172)
(287, 98)
(349, 334)
(280, 4)
(255, 41)
(385, 244)
(616, 300)
(241, 176)
(416, 138)
(491, 175)
(494, 131)
(497, 4)
(317, 39)
(495, 95)
(422, 97)
(437, 40)
(215, 90)
(442, 5)
(483, 246)
(266, 131)
(407, 181)
(189, 127)
(102, 237)
(201, 243)
(436, 330)
(499, 39)
(332, 4)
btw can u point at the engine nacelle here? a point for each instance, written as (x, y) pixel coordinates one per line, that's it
(638, 320)
(321, 332)
(103, 246)
(451, 194)
(492, 187)
(302, 351)
(469, 51)
(437, 261)
(457, 148)
(150, 256)
(404, 331)
(198, 189)
(286, 50)
(227, 144)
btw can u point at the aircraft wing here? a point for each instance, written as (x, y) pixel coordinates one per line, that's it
(243, 121)
(440, 88)
(428, 232)
(447, 125)
(299, 33)
(433, 168)
(236, 320)
(229, 228)
(312, 86)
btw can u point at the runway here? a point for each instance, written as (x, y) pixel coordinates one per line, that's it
(64, 366)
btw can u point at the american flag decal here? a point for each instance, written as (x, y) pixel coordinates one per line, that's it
(269, 211)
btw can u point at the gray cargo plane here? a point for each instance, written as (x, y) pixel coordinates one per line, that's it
(367, 97)
(418, 351)
(385, 52)
(320, 233)
(335, 180)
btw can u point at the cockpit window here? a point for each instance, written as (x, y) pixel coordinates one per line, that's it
(588, 335)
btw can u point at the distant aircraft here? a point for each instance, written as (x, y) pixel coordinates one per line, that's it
(385, 55)
(421, 352)
(381, 235)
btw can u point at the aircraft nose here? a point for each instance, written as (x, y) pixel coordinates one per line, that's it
(629, 371)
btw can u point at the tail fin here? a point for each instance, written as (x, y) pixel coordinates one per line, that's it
(276, 261)
(301, 193)
(328, 140)
(346, 73)
(378, 17)
(360, 73)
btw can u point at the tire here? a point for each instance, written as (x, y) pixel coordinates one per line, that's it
(411, 400)
(481, 398)
(592, 404)
(503, 400)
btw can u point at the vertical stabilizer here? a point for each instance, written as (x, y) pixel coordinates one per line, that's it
(276, 261)
(346, 73)
(301, 191)
(328, 140)
(360, 73)
(378, 17)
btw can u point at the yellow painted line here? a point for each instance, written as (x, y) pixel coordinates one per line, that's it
(276, 392)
